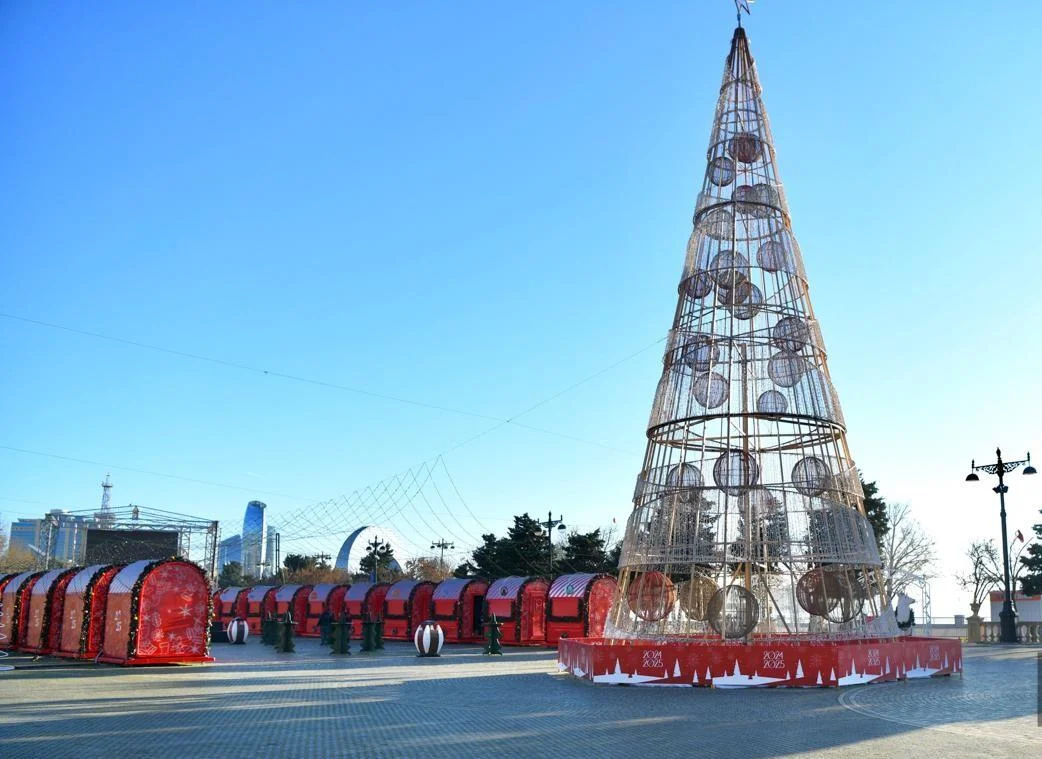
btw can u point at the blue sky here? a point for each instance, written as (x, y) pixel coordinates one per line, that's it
(474, 206)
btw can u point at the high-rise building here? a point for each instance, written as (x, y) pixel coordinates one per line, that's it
(254, 533)
(58, 538)
(229, 550)
(271, 553)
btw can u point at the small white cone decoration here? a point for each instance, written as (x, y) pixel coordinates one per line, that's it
(238, 630)
(429, 638)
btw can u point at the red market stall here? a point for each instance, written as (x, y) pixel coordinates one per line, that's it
(364, 599)
(408, 603)
(519, 603)
(325, 596)
(457, 605)
(260, 602)
(230, 603)
(293, 599)
(158, 612)
(46, 604)
(14, 608)
(578, 606)
(83, 617)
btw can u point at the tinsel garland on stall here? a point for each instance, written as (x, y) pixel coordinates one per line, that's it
(16, 618)
(45, 628)
(88, 604)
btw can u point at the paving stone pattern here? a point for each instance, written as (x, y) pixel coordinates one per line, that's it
(255, 703)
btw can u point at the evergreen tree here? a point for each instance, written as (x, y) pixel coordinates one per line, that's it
(875, 510)
(231, 575)
(1031, 583)
(584, 552)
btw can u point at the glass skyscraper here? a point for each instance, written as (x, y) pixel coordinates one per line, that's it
(254, 534)
(229, 550)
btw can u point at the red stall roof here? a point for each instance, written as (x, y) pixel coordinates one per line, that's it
(43, 585)
(230, 594)
(286, 592)
(572, 586)
(452, 588)
(358, 591)
(124, 580)
(506, 587)
(16, 583)
(402, 589)
(79, 583)
(321, 591)
(257, 593)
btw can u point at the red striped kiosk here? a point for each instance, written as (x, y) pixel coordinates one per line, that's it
(230, 603)
(458, 606)
(293, 599)
(158, 612)
(578, 606)
(83, 615)
(364, 599)
(325, 596)
(14, 608)
(408, 603)
(46, 603)
(260, 602)
(519, 603)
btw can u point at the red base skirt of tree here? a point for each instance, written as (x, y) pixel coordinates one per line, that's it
(794, 663)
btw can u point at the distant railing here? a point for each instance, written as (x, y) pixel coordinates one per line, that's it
(1027, 632)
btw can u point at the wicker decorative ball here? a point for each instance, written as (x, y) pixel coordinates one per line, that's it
(771, 402)
(700, 353)
(721, 171)
(684, 476)
(811, 476)
(745, 147)
(698, 285)
(733, 611)
(717, 223)
(710, 389)
(729, 269)
(651, 595)
(735, 472)
(694, 596)
(791, 333)
(786, 369)
(773, 256)
(751, 303)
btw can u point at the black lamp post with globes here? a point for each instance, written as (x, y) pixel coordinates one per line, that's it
(1007, 618)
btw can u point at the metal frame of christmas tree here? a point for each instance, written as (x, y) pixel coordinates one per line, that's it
(748, 522)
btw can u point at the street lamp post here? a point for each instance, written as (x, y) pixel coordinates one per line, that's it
(1007, 619)
(442, 544)
(549, 525)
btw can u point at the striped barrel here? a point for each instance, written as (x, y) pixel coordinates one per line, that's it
(238, 630)
(429, 639)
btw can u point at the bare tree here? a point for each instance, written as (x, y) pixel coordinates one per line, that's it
(907, 552)
(984, 574)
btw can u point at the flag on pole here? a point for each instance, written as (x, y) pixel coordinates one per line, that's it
(1020, 536)
(743, 5)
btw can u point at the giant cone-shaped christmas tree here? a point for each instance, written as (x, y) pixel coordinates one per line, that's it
(748, 516)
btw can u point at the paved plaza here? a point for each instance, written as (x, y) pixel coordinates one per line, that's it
(255, 703)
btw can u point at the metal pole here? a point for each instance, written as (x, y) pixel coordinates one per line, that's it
(550, 541)
(1007, 619)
